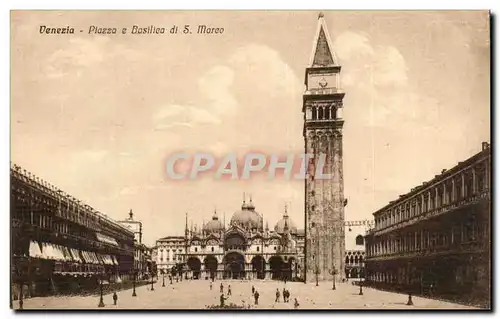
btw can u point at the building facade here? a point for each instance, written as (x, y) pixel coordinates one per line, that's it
(355, 254)
(436, 239)
(324, 198)
(168, 252)
(59, 244)
(142, 254)
(245, 249)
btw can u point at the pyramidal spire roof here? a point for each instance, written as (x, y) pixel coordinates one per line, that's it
(322, 52)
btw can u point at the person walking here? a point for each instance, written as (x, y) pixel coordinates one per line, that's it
(229, 290)
(284, 295)
(221, 288)
(277, 295)
(115, 298)
(256, 297)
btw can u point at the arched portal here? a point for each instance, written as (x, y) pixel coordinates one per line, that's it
(211, 266)
(234, 266)
(194, 265)
(289, 270)
(276, 264)
(258, 267)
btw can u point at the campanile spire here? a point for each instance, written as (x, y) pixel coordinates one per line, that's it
(322, 51)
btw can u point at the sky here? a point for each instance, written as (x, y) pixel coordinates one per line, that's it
(97, 115)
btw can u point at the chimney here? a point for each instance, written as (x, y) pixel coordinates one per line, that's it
(485, 145)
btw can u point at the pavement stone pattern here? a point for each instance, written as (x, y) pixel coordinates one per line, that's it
(196, 294)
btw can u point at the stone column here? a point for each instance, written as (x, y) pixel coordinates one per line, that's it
(436, 194)
(453, 191)
(462, 177)
(474, 181)
(445, 195)
(416, 241)
(421, 239)
(452, 235)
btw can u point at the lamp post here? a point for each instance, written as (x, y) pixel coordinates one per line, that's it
(101, 301)
(317, 255)
(152, 288)
(21, 293)
(133, 291)
(163, 280)
(361, 287)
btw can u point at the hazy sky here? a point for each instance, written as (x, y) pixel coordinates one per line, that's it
(97, 115)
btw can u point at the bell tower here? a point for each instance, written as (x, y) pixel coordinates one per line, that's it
(324, 197)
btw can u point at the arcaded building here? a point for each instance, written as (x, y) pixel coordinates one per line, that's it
(435, 240)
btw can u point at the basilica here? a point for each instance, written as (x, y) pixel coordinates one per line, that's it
(244, 249)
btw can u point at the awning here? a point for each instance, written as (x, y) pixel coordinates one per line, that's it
(59, 254)
(47, 251)
(76, 255)
(106, 259)
(95, 258)
(85, 257)
(67, 253)
(106, 239)
(35, 250)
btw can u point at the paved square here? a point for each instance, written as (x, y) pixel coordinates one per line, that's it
(197, 295)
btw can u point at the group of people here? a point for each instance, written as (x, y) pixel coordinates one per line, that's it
(256, 295)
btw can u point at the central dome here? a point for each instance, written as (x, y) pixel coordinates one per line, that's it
(247, 217)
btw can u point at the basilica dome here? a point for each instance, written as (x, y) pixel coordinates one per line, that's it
(285, 221)
(213, 226)
(247, 217)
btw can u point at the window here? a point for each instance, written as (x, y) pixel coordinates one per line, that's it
(212, 249)
(258, 248)
(195, 249)
(360, 240)
(274, 247)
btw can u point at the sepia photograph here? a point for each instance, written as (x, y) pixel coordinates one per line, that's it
(250, 160)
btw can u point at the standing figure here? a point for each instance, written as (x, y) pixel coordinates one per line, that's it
(210, 285)
(221, 288)
(222, 299)
(256, 297)
(296, 304)
(284, 295)
(277, 295)
(115, 298)
(229, 290)
(253, 290)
